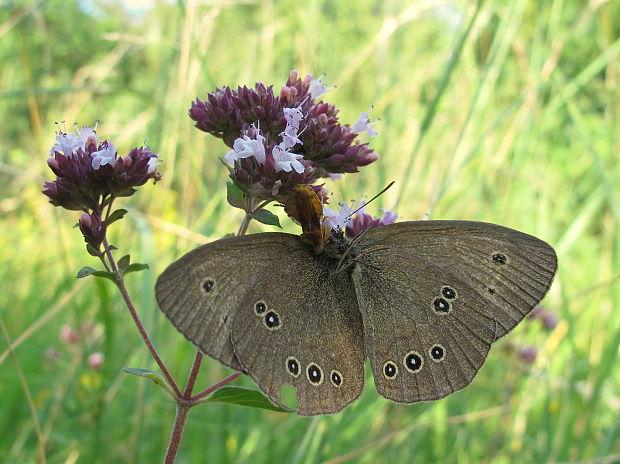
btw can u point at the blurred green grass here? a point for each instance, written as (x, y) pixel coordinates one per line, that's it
(508, 114)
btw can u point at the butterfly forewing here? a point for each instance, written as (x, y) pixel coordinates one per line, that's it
(434, 295)
(301, 327)
(203, 289)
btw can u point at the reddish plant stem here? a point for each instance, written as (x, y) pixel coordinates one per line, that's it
(184, 404)
(215, 386)
(177, 431)
(134, 314)
(185, 401)
(191, 380)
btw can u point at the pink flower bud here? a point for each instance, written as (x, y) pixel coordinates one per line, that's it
(371, 157)
(549, 320)
(294, 75)
(286, 93)
(95, 360)
(68, 335)
(528, 354)
(53, 163)
(86, 221)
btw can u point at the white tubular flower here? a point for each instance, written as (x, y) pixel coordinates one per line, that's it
(105, 156)
(245, 147)
(363, 124)
(286, 161)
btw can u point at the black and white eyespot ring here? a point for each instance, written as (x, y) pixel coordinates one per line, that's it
(390, 370)
(292, 366)
(442, 306)
(413, 361)
(336, 378)
(260, 307)
(449, 292)
(314, 374)
(437, 353)
(499, 258)
(272, 320)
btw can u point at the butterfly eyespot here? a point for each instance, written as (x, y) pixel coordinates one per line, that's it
(260, 307)
(272, 320)
(437, 353)
(441, 305)
(292, 366)
(390, 370)
(492, 291)
(413, 361)
(449, 293)
(314, 374)
(336, 378)
(208, 284)
(499, 258)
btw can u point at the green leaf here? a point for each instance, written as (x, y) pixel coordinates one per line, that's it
(124, 262)
(234, 196)
(92, 250)
(154, 376)
(266, 217)
(87, 271)
(243, 397)
(135, 267)
(116, 215)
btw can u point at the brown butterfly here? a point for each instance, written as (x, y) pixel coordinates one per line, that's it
(422, 300)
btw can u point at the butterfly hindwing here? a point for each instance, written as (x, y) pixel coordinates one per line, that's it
(301, 327)
(417, 351)
(443, 291)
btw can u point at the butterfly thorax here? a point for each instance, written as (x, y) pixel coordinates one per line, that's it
(339, 251)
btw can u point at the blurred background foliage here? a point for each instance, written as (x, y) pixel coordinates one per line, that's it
(505, 112)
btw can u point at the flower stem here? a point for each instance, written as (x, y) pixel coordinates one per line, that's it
(184, 404)
(191, 381)
(250, 209)
(185, 400)
(177, 432)
(261, 206)
(244, 225)
(216, 386)
(120, 282)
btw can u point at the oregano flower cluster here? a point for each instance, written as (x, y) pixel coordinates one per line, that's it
(90, 174)
(292, 138)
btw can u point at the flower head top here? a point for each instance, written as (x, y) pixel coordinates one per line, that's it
(70, 143)
(89, 173)
(280, 140)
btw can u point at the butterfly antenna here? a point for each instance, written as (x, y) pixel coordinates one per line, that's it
(355, 260)
(349, 248)
(372, 199)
